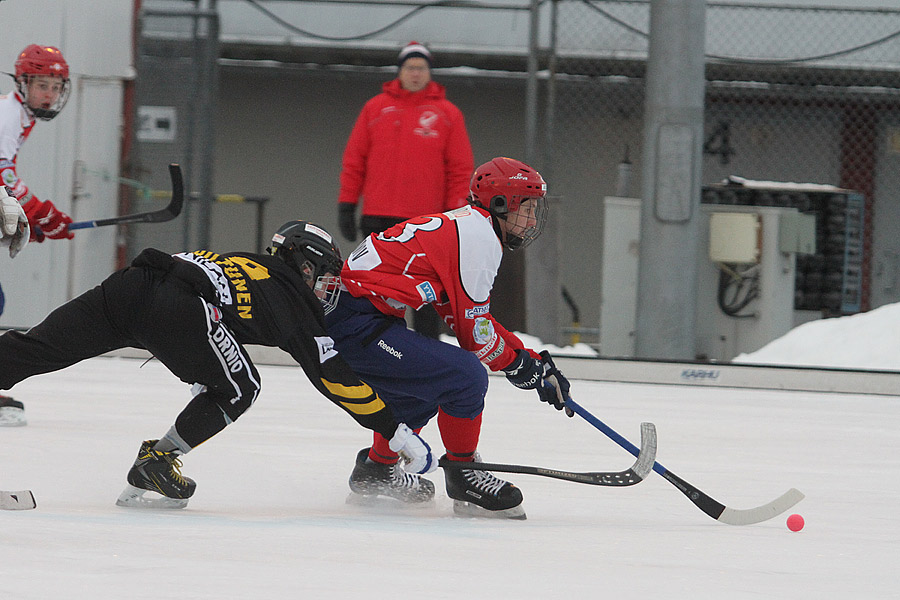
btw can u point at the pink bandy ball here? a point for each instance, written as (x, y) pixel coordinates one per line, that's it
(795, 522)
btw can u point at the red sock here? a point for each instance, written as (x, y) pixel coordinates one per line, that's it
(460, 436)
(380, 452)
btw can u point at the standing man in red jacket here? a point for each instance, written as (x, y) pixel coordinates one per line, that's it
(408, 155)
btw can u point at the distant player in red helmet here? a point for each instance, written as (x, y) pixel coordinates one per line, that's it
(448, 260)
(42, 88)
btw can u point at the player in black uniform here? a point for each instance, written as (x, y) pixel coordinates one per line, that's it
(194, 312)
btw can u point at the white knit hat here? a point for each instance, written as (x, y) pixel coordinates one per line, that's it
(414, 49)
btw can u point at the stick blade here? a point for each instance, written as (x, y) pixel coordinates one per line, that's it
(647, 456)
(177, 202)
(735, 516)
(21, 500)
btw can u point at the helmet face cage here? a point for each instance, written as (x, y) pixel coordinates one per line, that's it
(505, 187)
(525, 224)
(311, 251)
(328, 290)
(36, 62)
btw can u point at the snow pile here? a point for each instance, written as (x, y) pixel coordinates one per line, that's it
(868, 341)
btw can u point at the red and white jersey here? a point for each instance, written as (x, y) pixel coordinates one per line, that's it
(449, 260)
(15, 125)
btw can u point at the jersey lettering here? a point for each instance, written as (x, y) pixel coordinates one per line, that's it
(365, 257)
(410, 228)
(234, 270)
(253, 269)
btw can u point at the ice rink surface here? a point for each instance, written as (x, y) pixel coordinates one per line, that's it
(269, 519)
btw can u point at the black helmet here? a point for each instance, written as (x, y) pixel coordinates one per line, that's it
(311, 251)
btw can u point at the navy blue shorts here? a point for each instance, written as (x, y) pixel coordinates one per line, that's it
(413, 374)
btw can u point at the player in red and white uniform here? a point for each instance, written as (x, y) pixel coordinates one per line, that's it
(42, 88)
(449, 260)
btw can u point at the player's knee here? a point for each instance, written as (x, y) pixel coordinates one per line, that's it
(234, 406)
(472, 372)
(465, 399)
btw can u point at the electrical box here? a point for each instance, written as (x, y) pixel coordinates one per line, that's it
(831, 277)
(743, 305)
(734, 238)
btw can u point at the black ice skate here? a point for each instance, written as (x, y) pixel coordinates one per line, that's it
(157, 472)
(481, 494)
(370, 479)
(12, 412)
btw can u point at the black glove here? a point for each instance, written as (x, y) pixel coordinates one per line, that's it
(524, 372)
(555, 388)
(527, 373)
(347, 220)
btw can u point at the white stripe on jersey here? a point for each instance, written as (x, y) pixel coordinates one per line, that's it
(479, 253)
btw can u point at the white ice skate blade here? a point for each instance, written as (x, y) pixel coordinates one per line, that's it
(462, 508)
(132, 497)
(12, 416)
(385, 502)
(21, 500)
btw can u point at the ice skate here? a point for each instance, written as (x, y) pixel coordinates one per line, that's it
(158, 474)
(12, 412)
(371, 480)
(481, 494)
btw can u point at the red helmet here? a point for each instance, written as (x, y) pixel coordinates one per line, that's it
(42, 61)
(501, 186)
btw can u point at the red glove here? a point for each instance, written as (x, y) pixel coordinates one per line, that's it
(47, 220)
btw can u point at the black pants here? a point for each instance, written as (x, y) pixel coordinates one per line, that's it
(140, 308)
(425, 320)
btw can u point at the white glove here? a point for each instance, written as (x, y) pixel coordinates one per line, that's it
(415, 452)
(13, 224)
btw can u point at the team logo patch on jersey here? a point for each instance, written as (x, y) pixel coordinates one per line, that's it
(9, 176)
(426, 292)
(483, 331)
(326, 348)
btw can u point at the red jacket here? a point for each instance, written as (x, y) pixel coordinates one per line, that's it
(408, 154)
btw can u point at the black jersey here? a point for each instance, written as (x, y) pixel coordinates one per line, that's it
(265, 302)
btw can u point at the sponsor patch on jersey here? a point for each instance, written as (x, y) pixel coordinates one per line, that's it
(496, 353)
(483, 331)
(326, 348)
(473, 312)
(426, 292)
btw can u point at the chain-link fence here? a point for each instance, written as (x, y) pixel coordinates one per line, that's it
(793, 95)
